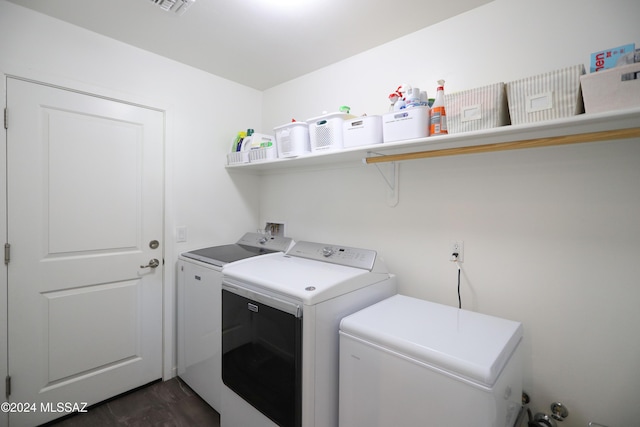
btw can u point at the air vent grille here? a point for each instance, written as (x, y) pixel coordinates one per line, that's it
(176, 6)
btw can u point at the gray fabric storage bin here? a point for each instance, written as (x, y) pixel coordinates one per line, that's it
(481, 108)
(546, 96)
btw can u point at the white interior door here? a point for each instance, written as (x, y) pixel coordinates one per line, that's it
(85, 199)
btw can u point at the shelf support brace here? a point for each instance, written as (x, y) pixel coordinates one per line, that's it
(391, 179)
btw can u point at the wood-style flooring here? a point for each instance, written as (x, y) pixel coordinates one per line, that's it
(164, 404)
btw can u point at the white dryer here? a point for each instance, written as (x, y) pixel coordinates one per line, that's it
(408, 362)
(199, 319)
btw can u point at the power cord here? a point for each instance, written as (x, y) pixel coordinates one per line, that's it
(459, 298)
(454, 258)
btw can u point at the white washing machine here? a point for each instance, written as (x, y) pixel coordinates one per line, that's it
(199, 331)
(280, 319)
(408, 362)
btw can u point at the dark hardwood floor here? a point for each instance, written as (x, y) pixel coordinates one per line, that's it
(168, 404)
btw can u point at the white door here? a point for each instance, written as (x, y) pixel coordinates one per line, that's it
(85, 201)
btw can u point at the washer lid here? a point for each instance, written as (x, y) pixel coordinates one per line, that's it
(303, 279)
(466, 344)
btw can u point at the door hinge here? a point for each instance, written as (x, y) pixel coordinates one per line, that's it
(7, 386)
(7, 253)
(6, 119)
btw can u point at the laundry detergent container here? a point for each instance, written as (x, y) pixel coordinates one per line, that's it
(409, 362)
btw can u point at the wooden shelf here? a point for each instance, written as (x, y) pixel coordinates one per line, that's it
(610, 126)
(607, 135)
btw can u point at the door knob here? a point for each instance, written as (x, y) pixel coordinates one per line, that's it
(153, 263)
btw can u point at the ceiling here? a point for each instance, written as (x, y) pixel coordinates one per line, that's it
(253, 42)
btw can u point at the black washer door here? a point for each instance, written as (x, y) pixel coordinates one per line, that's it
(262, 357)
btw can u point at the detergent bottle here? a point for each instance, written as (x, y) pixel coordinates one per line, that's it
(438, 115)
(413, 98)
(237, 143)
(424, 99)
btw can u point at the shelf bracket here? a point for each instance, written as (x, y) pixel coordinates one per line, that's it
(390, 178)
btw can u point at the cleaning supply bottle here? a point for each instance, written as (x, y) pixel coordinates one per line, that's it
(247, 141)
(238, 141)
(424, 99)
(413, 98)
(438, 115)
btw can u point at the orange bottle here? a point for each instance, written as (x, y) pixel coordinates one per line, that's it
(438, 115)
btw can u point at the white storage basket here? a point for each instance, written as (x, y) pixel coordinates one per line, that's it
(325, 132)
(547, 96)
(237, 157)
(262, 154)
(292, 139)
(255, 148)
(364, 130)
(408, 123)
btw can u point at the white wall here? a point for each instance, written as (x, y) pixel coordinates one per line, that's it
(551, 235)
(203, 113)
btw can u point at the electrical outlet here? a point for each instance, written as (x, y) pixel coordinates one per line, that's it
(456, 247)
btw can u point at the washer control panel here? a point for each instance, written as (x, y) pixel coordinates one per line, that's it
(343, 255)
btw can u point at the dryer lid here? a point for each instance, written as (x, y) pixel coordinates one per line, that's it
(249, 245)
(467, 344)
(221, 255)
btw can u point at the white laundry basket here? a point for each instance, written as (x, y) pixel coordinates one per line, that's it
(326, 131)
(292, 139)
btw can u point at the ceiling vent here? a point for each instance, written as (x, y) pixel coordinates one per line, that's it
(176, 6)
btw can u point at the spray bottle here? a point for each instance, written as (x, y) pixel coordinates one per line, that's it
(438, 115)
